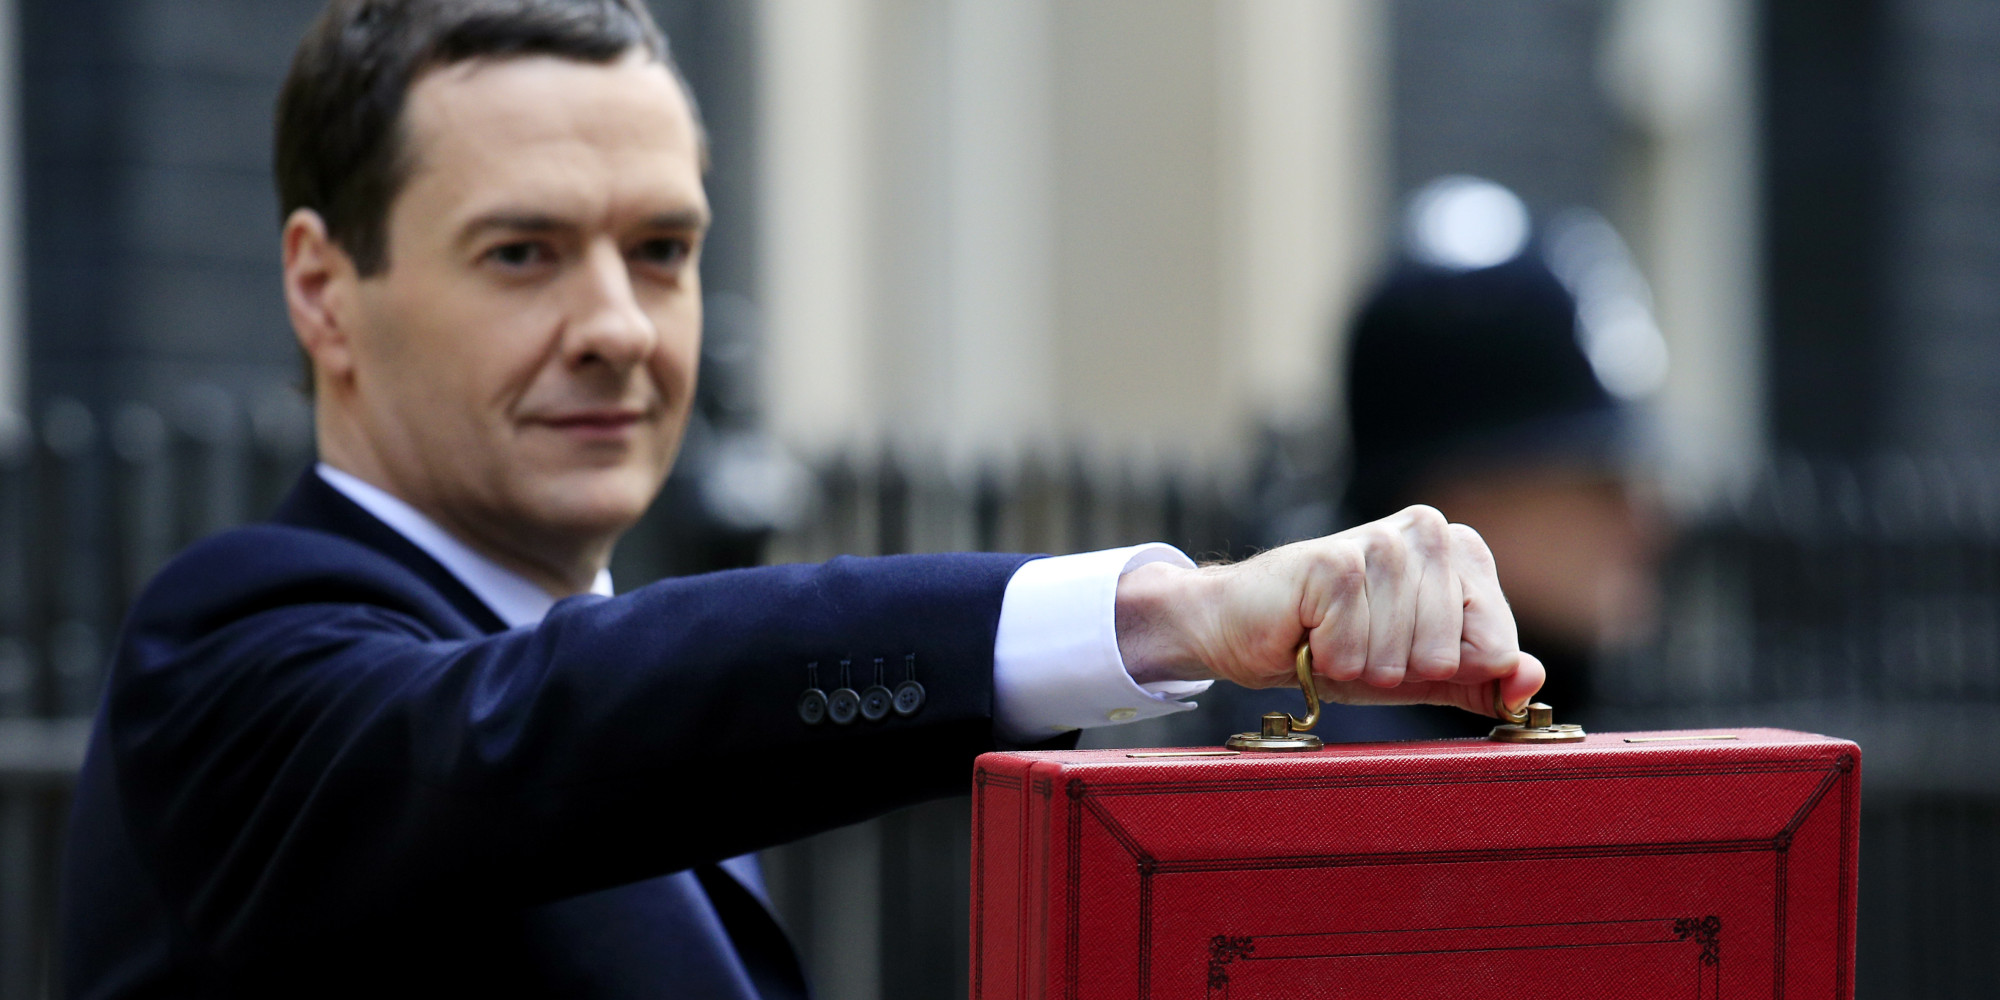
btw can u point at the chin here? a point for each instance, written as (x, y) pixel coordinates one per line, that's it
(597, 501)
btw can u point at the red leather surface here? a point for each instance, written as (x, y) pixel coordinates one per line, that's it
(1685, 869)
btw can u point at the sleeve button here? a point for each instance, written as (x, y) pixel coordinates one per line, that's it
(875, 703)
(1122, 714)
(812, 707)
(909, 698)
(843, 705)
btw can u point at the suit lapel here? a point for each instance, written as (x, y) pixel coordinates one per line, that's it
(734, 887)
(314, 504)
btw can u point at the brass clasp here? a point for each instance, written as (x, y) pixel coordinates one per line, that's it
(1534, 724)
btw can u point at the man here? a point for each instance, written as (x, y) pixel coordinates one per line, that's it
(402, 740)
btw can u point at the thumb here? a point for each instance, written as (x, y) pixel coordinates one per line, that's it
(1519, 687)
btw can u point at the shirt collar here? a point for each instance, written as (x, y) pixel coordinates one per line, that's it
(516, 601)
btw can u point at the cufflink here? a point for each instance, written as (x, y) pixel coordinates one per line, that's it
(876, 700)
(812, 703)
(909, 694)
(844, 703)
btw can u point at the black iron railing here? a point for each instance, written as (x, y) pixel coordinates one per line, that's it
(1859, 601)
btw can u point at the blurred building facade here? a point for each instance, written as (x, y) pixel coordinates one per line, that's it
(1032, 274)
(994, 227)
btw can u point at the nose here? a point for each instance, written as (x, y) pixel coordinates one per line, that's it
(607, 326)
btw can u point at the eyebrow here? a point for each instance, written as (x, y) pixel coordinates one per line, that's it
(522, 221)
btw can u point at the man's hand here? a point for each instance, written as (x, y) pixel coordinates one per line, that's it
(1406, 610)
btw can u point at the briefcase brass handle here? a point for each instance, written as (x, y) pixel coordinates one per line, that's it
(1534, 723)
(1282, 731)
(1303, 663)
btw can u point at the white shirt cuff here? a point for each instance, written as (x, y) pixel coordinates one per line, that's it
(1056, 665)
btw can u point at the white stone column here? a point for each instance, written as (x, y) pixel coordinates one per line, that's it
(13, 318)
(1131, 224)
(1305, 174)
(818, 268)
(997, 393)
(1138, 254)
(1684, 72)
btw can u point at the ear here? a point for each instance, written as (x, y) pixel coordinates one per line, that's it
(320, 290)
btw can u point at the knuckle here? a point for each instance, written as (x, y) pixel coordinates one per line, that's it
(1387, 549)
(1432, 533)
(1384, 675)
(1337, 574)
(1470, 542)
(1347, 566)
(1426, 518)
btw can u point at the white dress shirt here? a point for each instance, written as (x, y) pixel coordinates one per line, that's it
(1056, 665)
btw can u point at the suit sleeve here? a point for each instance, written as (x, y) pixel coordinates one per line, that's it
(290, 743)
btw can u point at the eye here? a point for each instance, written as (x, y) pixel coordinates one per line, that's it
(664, 252)
(521, 254)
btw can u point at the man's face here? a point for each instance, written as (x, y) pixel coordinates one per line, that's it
(1578, 548)
(524, 365)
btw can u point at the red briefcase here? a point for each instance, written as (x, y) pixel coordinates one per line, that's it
(1622, 866)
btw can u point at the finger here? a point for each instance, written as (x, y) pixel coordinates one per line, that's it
(1392, 596)
(1340, 639)
(1411, 692)
(1489, 641)
(1440, 604)
(1363, 693)
(1518, 687)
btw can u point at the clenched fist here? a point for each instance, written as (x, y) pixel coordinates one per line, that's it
(1402, 611)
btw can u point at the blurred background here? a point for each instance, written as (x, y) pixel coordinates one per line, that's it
(1062, 274)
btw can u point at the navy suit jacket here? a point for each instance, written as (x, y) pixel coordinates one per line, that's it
(323, 767)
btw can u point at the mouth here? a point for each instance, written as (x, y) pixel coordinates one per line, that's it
(600, 423)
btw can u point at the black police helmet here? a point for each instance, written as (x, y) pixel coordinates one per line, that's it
(1449, 367)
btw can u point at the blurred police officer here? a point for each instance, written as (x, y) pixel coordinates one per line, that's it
(1499, 374)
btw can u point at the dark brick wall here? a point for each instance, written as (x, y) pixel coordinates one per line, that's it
(1942, 266)
(1882, 184)
(1506, 89)
(151, 226)
(1827, 110)
(151, 234)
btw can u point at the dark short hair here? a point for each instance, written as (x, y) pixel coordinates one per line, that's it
(340, 147)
